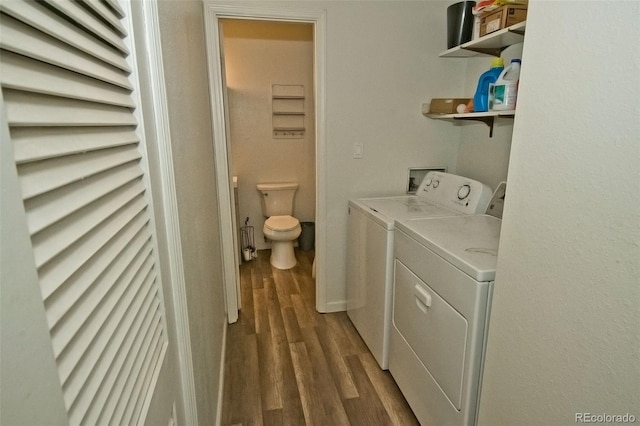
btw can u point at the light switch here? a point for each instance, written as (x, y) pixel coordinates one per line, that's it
(358, 150)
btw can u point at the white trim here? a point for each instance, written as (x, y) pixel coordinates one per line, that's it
(213, 11)
(223, 181)
(339, 306)
(221, 381)
(170, 206)
(321, 163)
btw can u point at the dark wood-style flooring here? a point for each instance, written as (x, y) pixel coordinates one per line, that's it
(287, 364)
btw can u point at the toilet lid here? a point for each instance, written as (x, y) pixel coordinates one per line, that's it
(281, 223)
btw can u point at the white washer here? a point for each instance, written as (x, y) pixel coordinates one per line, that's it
(443, 280)
(370, 247)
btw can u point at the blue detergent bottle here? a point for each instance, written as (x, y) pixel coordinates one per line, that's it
(481, 98)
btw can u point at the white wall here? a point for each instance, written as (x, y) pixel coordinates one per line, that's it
(182, 32)
(564, 336)
(382, 65)
(257, 55)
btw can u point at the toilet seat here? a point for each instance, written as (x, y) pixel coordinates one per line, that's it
(281, 223)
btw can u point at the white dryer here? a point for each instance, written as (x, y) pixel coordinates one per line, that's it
(443, 280)
(370, 247)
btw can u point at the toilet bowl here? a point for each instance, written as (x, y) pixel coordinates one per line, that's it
(280, 227)
(282, 231)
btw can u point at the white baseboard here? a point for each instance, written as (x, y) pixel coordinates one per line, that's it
(338, 306)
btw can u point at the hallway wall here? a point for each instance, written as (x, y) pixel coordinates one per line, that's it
(182, 32)
(563, 334)
(257, 55)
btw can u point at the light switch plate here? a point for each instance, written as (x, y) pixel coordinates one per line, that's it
(358, 150)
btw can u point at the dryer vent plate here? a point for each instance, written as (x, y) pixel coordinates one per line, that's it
(497, 201)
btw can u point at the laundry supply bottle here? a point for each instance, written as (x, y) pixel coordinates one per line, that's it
(504, 92)
(481, 98)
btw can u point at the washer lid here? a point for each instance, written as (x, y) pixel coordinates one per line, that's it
(407, 207)
(282, 223)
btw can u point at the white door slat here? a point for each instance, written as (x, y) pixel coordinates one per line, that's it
(27, 41)
(128, 395)
(89, 23)
(134, 359)
(152, 374)
(107, 14)
(83, 407)
(29, 109)
(48, 22)
(42, 176)
(80, 346)
(20, 73)
(157, 355)
(145, 375)
(79, 288)
(117, 9)
(107, 316)
(92, 399)
(65, 297)
(48, 208)
(124, 338)
(56, 238)
(58, 270)
(85, 318)
(126, 355)
(32, 144)
(74, 331)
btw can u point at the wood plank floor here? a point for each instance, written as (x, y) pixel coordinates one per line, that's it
(287, 364)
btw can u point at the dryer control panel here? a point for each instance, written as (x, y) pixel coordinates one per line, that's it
(496, 205)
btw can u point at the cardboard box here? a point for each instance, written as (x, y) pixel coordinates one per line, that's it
(502, 17)
(446, 105)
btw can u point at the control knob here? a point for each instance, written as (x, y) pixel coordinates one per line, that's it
(464, 191)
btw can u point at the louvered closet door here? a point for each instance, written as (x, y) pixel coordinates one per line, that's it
(71, 109)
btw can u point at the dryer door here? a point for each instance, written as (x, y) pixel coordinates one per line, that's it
(434, 330)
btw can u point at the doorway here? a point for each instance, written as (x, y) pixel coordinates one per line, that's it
(270, 109)
(215, 15)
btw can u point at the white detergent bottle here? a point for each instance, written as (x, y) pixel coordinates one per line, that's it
(504, 92)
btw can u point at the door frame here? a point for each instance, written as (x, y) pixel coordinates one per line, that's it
(213, 11)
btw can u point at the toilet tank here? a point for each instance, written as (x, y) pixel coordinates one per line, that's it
(277, 198)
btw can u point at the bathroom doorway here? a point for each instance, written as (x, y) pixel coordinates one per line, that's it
(269, 76)
(252, 54)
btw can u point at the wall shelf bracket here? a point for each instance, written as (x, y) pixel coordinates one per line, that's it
(486, 120)
(495, 51)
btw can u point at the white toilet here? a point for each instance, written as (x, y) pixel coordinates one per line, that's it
(280, 227)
